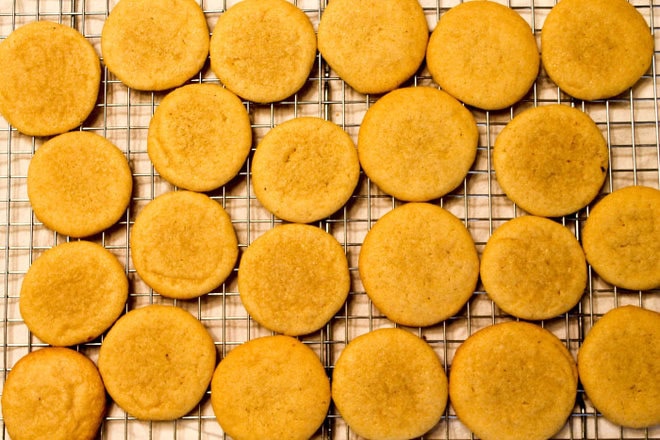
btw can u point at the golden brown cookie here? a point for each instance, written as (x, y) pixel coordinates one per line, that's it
(551, 160)
(73, 293)
(484, 54)
(157, 362)
(389, 384)
(79, 184)
(417, 143)
(373, 45)
(513, 380)
(595, 49)
(621, 238)
(272, 387)
(263, 50)
(53, 393)
(199, 137)
(619, 365)
(183, 244)
(155, 44)
(49, 78)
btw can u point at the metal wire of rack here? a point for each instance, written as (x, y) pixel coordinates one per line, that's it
(629, 122)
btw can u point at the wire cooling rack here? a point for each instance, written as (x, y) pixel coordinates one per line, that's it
(629, 123)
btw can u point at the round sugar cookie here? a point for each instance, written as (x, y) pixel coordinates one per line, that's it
(305, 169)
(417, 143)
(54, 393)
(389, 384)
(263, 50)
(551, 160)
(621, 238)
(273, 387)
(199, 137)
(484, 54)
(79, 184)
(533, 268)
(72, 293)
(373, 45)
(157, 362)
(155, 44)
(418, 264)
(595, 49)
(513, 380)
(619, 365)
(49, 78)
(183, 244)
(294, 278)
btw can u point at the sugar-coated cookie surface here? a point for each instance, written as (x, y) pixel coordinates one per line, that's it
(417, 143)
(389, 384)
(72, 293)
(157, 362)
(619, 365)
(273, 387)
(79, 183)
(621, 238)
(53, 393)
(484, 54)
(40, 93)
(513, 380)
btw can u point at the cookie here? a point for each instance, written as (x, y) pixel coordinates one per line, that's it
(271, 387)
(263, 50)
(551, 160)
(79, 184)
(533, 268)
(305, 169)
(199, 137)
(72, 293)
(417, 143)
(388, 384)
(621, 238)
(157, 362)
(293, 279)
(373, 45)
(49, 78)
(595, 49)
(155, 44)
(513, 380)
(53, 393)
(619, 365)
(484, 54)
(183, 244)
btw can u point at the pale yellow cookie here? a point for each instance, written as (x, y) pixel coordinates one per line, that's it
(199, 137)
(595, 49)
(417, 143)
(533, 268)
(513, 381)
(389, 384)
(54, 393)
(373, 45)
(79, 184)
(619, 365)
(73, 293)
(157, 362)
(273, 387)
(155, 44)
(621, 238)
(263, 50)
(49, 78)
(419, 264)
(183, 244)
(551, 160)
(484, 54)
(305, 169)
